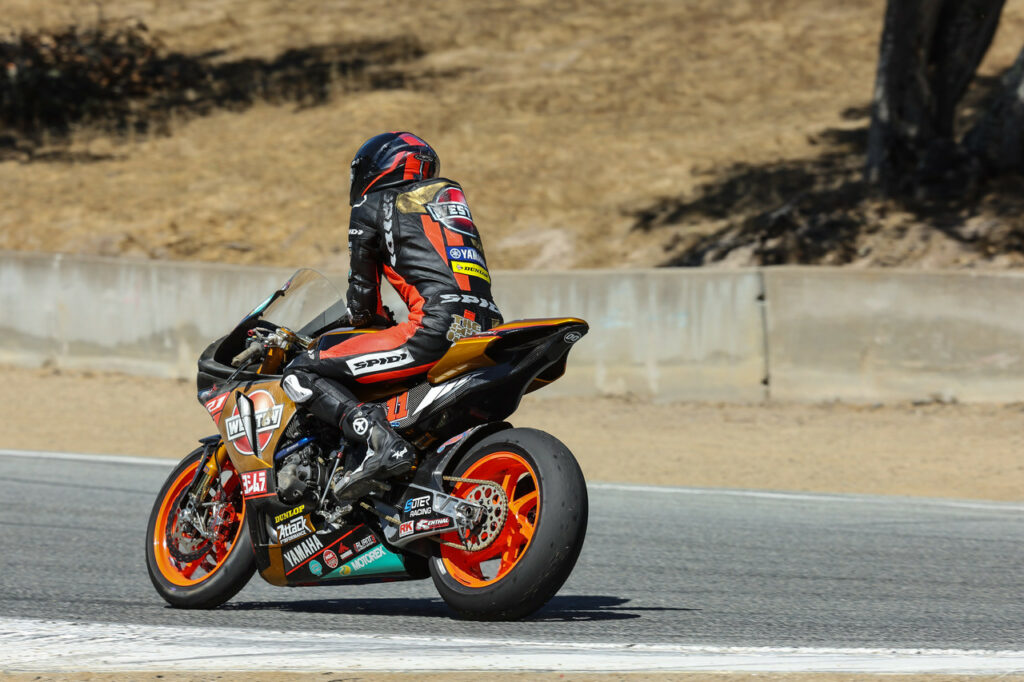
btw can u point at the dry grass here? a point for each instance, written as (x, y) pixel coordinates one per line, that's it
(561, 118)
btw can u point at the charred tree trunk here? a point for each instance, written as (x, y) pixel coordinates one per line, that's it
(929, 52)
(997, 138)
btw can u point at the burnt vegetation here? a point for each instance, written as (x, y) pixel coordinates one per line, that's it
(826, 210)
(120, 79)
(938, 161)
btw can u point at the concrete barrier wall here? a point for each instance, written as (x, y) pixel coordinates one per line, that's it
(667, 333)
(155, 317)
(731, 335)
(136, 316)
(883, 335)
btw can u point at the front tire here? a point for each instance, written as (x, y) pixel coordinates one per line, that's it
(536, 548)
(188, 570)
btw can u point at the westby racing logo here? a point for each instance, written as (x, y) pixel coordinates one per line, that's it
(268, 419)
(254, 482)
(450, 209)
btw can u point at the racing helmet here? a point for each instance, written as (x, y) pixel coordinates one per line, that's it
(389, 160)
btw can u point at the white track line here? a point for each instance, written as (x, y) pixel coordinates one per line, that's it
(622, 487)
(37, 645)
(86, 457)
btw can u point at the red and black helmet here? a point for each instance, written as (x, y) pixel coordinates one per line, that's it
(389, 160)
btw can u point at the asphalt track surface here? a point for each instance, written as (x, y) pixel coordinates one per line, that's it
(660, 566)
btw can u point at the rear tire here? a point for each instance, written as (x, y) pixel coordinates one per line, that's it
(223, 568)
(538, 545)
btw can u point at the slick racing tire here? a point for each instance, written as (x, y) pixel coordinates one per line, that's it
(190, 570)
(536, 547)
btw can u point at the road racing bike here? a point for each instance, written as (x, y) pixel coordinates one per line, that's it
(495, 515)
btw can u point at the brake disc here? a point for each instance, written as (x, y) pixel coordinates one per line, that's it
(186, 548)
(186, 540)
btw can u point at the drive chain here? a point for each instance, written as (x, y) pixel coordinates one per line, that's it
(497, 512)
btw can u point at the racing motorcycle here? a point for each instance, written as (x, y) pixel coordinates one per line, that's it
(495, 515)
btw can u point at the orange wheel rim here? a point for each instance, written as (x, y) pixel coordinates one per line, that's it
(218, 549)
(489, 565)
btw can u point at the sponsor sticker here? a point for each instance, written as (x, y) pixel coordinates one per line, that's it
(315, 568)
(330, 558)
(422, 502)
(469, 299)
(217, 404)
(389, 238)
(451, 441)
(432, 524)
(405, 529)
(373, 362)
(268, 419)
(471, 269)
(451, 210)
(466, 253)
(254, 482)
(366, 559)
(368, 541)
(302, 551)
(290, 513)
(291, 530)
(462, 327)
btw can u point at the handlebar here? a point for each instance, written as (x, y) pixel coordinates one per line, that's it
(247, 355)
(282, 337)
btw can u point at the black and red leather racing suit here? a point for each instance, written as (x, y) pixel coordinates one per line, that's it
(422, 239)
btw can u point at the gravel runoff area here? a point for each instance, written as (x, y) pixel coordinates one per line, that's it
(934, 450)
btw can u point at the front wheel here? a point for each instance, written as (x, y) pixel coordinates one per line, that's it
(508, 569)
(198, 551)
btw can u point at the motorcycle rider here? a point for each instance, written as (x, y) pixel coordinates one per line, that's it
(414, 228)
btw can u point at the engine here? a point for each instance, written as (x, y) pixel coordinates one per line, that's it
(302, 470)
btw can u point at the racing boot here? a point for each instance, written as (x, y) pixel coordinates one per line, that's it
(387, 454)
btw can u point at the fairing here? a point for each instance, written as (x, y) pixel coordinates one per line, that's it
(475, 386)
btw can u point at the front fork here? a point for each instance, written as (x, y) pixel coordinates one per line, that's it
(208, 471)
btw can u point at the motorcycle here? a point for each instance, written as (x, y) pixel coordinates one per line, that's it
(495, 515)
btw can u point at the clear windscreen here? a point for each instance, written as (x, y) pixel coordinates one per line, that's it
(306, 303)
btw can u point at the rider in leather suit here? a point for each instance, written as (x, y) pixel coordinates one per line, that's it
(415, 229)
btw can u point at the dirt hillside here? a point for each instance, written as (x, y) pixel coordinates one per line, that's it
(574, 125)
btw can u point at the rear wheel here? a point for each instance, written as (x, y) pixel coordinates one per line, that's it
(198, 551)
(518, 558)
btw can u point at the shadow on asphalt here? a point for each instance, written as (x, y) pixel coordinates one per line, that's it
(567, 608)
(595, 607)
